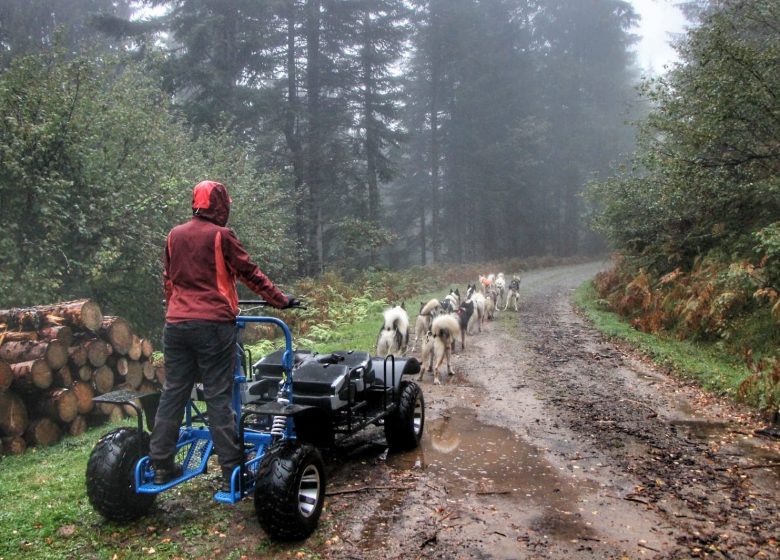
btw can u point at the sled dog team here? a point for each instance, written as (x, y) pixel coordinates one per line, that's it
(440, 322)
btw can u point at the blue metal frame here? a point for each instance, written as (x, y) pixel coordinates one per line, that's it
(197, 440)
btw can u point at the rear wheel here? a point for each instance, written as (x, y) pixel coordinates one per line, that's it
(111, 475)
(404, 426)
(290, 491)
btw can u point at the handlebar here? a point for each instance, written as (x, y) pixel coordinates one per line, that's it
(264, 303)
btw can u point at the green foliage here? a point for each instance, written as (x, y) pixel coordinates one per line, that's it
(95, 167)
(706, 175)
(695, 216)
(767, 249)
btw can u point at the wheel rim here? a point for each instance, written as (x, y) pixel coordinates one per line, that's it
(309, 491)
(418, 416)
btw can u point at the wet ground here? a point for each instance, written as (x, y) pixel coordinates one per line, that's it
(550, 442)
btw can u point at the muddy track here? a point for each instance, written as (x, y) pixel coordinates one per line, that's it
(550, 442)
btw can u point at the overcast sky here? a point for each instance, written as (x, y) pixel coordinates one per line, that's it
(661, 19)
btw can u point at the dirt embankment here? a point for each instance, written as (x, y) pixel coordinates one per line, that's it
(550, 442)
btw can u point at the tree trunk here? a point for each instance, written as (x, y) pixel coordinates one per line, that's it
(82, 313)
(54, 352)
(315, 134)
(103, 380)
(84, 394)
(6, 376)
(13, 414)
(14, 445)
(42, 431)
(58, 404)
(31, 376)
(97, 352)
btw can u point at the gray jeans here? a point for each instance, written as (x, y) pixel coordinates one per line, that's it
(203, 351)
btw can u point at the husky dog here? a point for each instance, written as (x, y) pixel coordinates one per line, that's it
(394, 334)
(451, 301)
(490, 304)
(424, 319)
(485, 284)
(478, 317)
(463, 314)
(444, 331)
(513, 294)
(501, 287)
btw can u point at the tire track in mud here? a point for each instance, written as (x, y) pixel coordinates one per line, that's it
(550, 442)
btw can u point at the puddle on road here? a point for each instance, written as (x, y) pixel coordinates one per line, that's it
(472, 459)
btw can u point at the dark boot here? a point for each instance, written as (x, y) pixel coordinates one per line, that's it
(165, 471)
(227, 473)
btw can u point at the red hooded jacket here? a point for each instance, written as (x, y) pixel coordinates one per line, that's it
(203, 259)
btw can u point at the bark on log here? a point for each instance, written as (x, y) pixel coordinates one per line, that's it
(97, 352)
(62, 333)
(82, 313)
(84, 393)
(117, 331)
(135, 374)
(59, 404)
(16, 336)
(14, 445)
(147, 348)
(6, 376)
(42, 431)
(31, 376)
(63, 377)
(54, 352)
(13, 414)
(103, 380)
(78, 426)
(78, 355)
(136, 350)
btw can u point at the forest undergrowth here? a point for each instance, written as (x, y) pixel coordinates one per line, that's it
(730, 310)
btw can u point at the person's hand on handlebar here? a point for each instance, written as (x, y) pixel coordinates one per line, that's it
(292, 302)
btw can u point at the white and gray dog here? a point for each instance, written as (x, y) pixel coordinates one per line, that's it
(428, 312)
(439, 344)
(394, 335)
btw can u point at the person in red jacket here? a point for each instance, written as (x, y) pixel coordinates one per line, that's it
(202, 261)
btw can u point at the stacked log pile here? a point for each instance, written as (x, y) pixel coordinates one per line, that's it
(54, 359)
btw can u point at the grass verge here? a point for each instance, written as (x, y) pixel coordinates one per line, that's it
(710, 367)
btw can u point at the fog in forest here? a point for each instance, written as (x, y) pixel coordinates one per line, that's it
(350, 133)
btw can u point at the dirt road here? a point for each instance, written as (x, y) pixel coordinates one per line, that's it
(550, 442)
